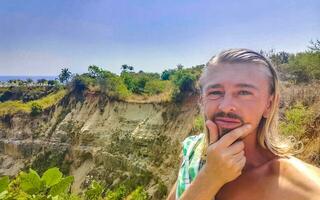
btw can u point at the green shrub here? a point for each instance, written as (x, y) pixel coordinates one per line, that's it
(4, 182)
(143, 83)
(134, 82)
(94, 191)
(30, 185)
(184, 82)
(165, 75)
(155, 87)
(198, 124)
(79, 84)
(138, 194)
(115, 86)
(7, 95)
(295, 120)
(175, 82)
(103, 81)
(53, 185)
(162, 190)
(54, 83)
(36, 109)
(117, 194)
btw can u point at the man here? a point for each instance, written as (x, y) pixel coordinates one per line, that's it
(241, 156)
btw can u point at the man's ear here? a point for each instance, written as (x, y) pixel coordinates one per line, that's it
(268, 108)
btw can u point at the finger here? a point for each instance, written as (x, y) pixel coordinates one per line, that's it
(235, 134)
(241, 163)
(235, 148)
(238, 157)
(213, 131)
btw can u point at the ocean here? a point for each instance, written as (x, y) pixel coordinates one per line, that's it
(34, 78)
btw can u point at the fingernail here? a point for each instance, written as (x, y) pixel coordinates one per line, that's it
(248, 126)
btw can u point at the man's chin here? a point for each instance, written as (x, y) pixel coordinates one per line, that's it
(224, 131)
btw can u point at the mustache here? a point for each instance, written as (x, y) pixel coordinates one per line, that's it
(228, 115)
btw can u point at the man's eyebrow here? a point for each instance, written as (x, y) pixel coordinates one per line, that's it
(241, 85)
(214, 86)
(246, 85)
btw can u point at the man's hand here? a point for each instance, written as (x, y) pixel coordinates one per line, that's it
(225, 157)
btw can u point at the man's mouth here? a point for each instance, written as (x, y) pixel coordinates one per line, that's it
(227, 123)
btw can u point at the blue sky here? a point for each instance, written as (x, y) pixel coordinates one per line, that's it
(40, 37)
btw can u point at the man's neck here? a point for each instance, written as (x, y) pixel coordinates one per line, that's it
(254, 153)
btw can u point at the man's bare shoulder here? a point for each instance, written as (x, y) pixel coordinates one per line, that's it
(295, 173)
(293, 163)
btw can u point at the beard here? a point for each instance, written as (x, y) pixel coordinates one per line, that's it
(223, 131)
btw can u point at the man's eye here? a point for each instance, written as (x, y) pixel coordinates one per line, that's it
(215, 93)
(244, 92)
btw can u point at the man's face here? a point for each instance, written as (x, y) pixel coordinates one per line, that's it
(234, 94)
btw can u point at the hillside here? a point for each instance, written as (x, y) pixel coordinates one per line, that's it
(102, 139)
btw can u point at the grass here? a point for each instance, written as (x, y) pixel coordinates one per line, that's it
(12, 107)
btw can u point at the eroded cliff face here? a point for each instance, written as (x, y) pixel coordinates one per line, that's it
(97, 138)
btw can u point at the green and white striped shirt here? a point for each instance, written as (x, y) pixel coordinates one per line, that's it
(191, 163)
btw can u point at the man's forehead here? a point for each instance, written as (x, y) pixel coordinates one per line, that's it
(239, 67)
(237, 75)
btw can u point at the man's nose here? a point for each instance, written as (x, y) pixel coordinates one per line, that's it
(227, 104)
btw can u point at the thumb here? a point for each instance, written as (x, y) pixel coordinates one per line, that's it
(213, 131)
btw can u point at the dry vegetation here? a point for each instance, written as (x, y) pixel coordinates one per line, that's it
(300, 109)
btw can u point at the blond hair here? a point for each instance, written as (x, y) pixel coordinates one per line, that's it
(268, 136)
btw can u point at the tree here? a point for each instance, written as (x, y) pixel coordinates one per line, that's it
(29, 80)
(179, 66)
(305, 66)
(53, 82)
(315, 46)
(95, 71)
(42, 81)
(79, 84)
(166, 74)
(65, 75)
(126, 68)
(280, 58)
(184, 82)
